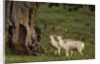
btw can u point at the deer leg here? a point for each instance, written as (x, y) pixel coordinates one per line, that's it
(67, 52)
(59, 49)
(72, 52)
(55, 52)
(80, 51)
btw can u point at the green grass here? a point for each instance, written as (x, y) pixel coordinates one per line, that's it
(21, 59)
(80, 25)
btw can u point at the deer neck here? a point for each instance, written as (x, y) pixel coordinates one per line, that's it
(52, 39)
(61, 42)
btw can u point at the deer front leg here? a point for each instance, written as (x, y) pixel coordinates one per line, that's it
(67, 52)
(59, 49)
(55, 52)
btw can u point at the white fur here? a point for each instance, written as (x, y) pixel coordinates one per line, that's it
(69, 45)
(55, 44)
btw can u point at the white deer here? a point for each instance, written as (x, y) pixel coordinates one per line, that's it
(71, 45)
(55, 44)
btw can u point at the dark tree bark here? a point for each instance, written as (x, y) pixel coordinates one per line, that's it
(20, 32)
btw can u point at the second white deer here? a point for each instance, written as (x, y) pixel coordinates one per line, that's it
(71, 45)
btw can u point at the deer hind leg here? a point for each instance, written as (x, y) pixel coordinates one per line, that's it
(71, 52)
(80, 51)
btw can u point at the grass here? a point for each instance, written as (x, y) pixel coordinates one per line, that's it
(80, 25)
(21, 59)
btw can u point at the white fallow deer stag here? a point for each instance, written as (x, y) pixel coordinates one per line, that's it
(70, 45)
(55, 44)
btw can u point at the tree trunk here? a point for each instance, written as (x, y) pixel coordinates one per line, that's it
(20, 34)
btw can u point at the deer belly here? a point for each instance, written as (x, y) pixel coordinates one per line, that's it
(73, 48)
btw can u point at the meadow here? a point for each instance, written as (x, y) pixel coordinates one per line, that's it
(72, 24)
